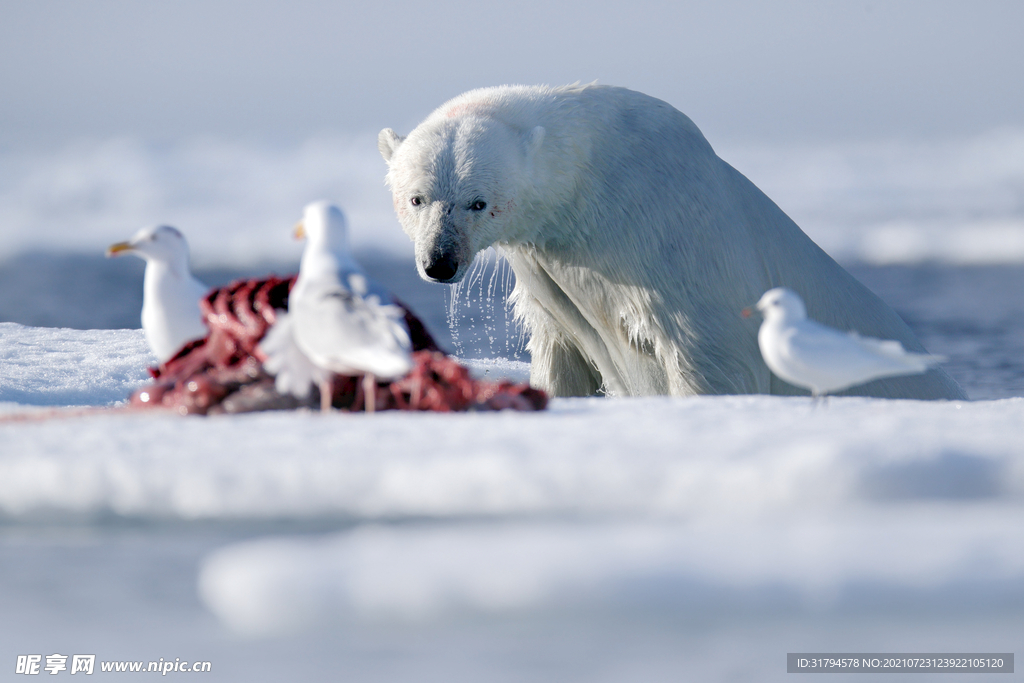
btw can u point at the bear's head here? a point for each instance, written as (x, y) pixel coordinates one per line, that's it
(458, 185)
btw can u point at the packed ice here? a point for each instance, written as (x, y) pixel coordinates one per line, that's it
(486, 544)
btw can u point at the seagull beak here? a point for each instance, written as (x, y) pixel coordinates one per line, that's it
(115, 249)
(299, 232)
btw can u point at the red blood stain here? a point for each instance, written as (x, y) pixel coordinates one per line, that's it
(223, 373)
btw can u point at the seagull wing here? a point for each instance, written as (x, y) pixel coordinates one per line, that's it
(348, 334)
(292, 370)
(893, 349)
(832, 360)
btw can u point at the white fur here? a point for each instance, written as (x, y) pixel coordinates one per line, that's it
(634, 246)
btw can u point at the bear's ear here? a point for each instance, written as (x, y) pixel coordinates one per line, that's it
(387, 142)
(534, 140)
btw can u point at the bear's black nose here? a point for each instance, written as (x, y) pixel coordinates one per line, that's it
(442, 269)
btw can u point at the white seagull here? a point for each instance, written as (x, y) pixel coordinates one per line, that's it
(338, 320)
(170, 294)
(808, 354)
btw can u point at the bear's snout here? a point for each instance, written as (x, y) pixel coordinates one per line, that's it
(442, 268)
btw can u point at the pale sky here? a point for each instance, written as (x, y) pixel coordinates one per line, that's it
(281, 71)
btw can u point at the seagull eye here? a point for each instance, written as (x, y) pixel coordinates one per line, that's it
(478, 205)
(416, 201)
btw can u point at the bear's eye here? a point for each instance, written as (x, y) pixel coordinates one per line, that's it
(416, 201)
(478, 205)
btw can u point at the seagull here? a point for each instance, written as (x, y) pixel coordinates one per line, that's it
(170, 294)
(338, 320)
(808, 354)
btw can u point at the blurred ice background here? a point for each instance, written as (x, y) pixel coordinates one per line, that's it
(605, 541)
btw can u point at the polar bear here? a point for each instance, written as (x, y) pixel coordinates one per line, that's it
(633, 245)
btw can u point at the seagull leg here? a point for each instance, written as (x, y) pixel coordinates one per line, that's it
(369, 392)
(326, 394)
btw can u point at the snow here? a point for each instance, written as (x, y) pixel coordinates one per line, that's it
(898, 201)
(657, 456)
(61, 367)
(736, 456)
(274, 586)
(235, 203)
(951, 201)
(593, 504)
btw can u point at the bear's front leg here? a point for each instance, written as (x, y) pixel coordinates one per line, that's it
(559, 368)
